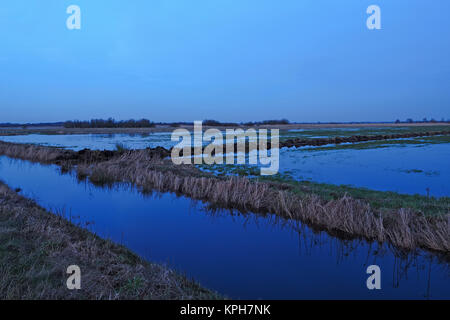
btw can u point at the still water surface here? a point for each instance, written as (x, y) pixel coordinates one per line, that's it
(241, 256)
(412, 169)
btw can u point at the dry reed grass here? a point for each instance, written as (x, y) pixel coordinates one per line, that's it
(345, 217)
(30, 152)
(36, 247)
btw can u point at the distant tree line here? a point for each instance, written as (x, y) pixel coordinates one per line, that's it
(424, 120)
(109, 123)
(145, 123)
(40, 124)
(214, 123)
(265, 122)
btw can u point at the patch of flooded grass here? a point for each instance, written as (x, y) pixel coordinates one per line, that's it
(412, 171)
(363, 131)
(420, 141)
(121, 147)
(418, 171)
(380, 200)
(150, 170)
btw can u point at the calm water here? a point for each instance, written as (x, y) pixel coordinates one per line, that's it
(411, 169)
(96, 141)
(242, 256)
(405, 169)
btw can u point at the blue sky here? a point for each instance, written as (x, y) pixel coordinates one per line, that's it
(180, 60)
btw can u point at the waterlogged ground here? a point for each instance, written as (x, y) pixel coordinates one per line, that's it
(408, 169)
(96, 141)
(363, 131)
(163, 139)
(403, 168)
(411, 166)
(241, 256)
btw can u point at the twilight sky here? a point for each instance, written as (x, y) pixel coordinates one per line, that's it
(231, 60)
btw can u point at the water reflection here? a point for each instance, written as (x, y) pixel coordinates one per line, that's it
(405, 169)
(240, 255)
(412, 169)
(405, 263)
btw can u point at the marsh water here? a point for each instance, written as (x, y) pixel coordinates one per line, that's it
(239, 255)
(404, 168)
(96, 141)
(412, 169)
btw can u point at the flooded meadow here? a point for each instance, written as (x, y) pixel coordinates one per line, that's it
(246, 255)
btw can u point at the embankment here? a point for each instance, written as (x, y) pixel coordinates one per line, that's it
(36, 248)
(343, 217)
(353, 139)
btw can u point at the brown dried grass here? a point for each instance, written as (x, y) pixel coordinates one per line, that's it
(344, 217)
(30, 152)
(36, 247)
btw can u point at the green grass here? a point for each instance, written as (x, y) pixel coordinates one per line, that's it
(363, 131)
(120, 147)
(381, 200)
(419, 141)
(226, 170)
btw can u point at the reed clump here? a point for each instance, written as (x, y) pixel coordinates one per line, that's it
(345, 216)
(31, 152)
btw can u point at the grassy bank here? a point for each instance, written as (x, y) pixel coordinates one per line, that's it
(311, 129)
(341, 215)
(383, 201)
(357, 139)
(420, 141)
(310, 133)
(36, 247)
